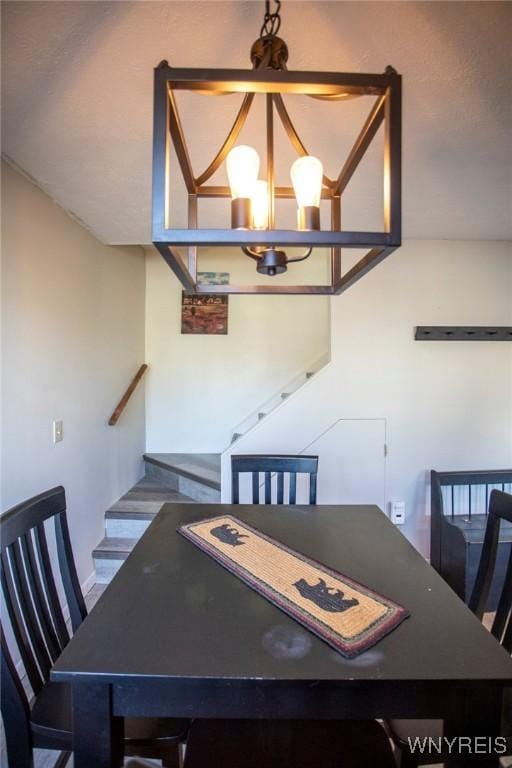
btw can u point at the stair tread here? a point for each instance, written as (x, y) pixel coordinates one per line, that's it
(151, 484)
(152, 502)
(135, 513)
(116, 548)
(124, 504)
(139, 510)
(204, 468)
(145, 499)
(155, 496)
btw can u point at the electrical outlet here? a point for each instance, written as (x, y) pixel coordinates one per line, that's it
(397, 512)
(58, 431)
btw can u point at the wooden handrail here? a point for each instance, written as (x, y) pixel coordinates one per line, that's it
(129, 392)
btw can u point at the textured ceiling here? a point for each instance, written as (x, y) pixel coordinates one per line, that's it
(77, 102)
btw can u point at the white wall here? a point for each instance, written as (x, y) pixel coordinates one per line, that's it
(72, 338)
(448, 405)
(200, 387)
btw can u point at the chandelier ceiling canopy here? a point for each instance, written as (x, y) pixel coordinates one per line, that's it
(253, 225)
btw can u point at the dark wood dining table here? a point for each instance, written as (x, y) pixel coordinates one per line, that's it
(176, 635)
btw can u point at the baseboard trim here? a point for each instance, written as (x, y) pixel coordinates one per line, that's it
(88, 583)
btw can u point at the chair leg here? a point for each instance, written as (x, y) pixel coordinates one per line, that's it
(172, 757)
(62, 760)
(408, 760)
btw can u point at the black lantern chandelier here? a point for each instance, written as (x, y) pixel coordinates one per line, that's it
(253, 216)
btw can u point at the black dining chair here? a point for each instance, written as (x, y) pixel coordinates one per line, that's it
(281, 467)
(403, 732)
(40, 632)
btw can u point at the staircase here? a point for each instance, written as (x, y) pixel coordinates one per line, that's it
(176, 478)
(276, 400)
(170, 478)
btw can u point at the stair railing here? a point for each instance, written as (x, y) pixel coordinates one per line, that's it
(125, 398)
(272, 402)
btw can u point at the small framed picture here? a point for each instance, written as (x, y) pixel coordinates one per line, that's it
(206, 313)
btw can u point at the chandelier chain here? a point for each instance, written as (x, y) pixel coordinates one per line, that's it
(271, 21)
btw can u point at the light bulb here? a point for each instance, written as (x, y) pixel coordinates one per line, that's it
(307, 174)
(260, 205)
(243, 165)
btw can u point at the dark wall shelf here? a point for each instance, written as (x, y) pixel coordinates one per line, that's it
(463, 333)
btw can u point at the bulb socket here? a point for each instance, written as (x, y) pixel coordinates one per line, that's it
(241, 213)
(272, 262)
(308, 217)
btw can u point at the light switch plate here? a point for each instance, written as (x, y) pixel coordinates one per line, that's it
(58, 431)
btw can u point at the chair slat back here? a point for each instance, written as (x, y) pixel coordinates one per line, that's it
(278, 466)
(49, 585)
(500, 508)
(29, 586)
(467, 493)
(15, 709)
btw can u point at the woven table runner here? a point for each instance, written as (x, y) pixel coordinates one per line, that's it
(346, 614)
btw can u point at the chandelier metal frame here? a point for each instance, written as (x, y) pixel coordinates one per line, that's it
(270, 77)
